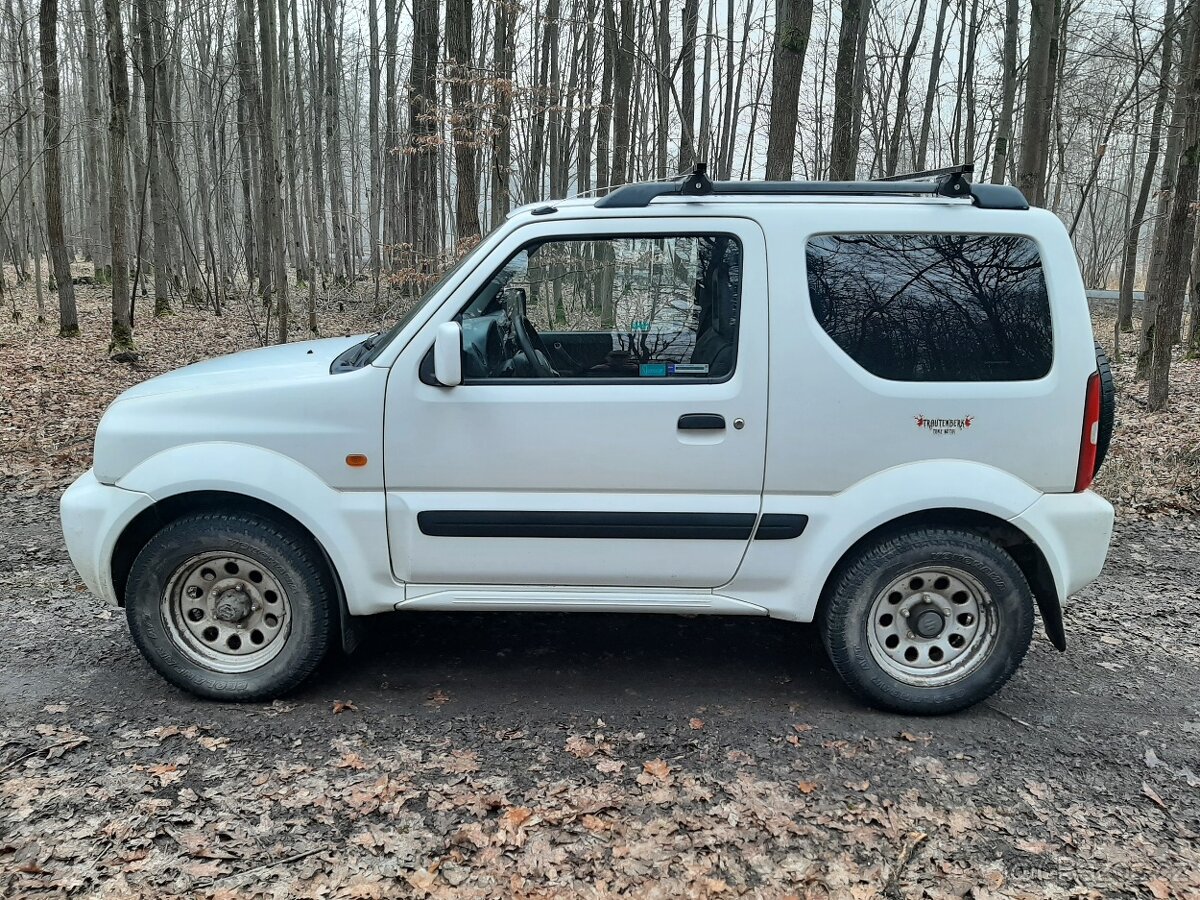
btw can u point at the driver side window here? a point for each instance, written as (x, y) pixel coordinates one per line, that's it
(662, 307)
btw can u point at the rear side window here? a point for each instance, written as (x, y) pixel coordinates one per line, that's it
(934, 307)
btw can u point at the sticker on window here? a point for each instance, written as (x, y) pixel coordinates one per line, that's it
(653, 370)
(689, 369)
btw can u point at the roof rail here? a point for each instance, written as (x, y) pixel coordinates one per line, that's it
(948, 182)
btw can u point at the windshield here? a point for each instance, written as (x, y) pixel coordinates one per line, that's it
(380, 343)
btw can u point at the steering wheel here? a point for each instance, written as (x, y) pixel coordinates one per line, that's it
(528, 340)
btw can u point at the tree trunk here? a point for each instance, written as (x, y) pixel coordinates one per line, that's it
(1003, 149)
(459, 37)
(663, 60)
(150, 61)
(68, 319)
(843, 154)
(272, 170)
(95, 181)
(935, 68)
(1181, 218)
(421, 192)
(622, 86)
(793, 21)
(604, 113)
(893, 149)
(1037, 116)
(333, 145)
(1132, 236)
(687, 92)
(502, 60)
(121, 346)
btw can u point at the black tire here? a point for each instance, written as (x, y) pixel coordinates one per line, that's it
(292, 561)
(846, 614)
(1108, 405)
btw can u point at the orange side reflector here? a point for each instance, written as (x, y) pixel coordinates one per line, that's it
(356, 460)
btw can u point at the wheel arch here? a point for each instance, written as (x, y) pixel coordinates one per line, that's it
(149, 521)
(1024, 550)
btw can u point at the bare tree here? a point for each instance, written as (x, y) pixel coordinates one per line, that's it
(1181, 218)
(793, 21)
(121, 347)
(843, 154)
(1035, 137)
(1003, 147)
(1138, 216)
(68, 318)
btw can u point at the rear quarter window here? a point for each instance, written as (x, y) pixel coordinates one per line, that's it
(934, 307)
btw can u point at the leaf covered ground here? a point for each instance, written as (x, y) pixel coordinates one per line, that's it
(581, 756)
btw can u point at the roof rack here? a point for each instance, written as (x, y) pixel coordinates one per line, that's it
(949, 182)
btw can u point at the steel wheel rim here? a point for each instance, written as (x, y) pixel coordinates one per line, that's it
(226, 612)
(932, 626)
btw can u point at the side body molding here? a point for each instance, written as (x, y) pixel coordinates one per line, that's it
(349, 524)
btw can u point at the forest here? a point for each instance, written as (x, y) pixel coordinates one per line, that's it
(271, 157)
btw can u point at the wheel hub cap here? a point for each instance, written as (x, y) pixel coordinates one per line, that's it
(232, 606)
(930, 623)
(226, 611)
(931, 626)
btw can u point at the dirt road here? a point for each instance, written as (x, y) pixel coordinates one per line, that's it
(545, 756)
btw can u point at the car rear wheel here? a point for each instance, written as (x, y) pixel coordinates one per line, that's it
(231, 606)
(928, 622)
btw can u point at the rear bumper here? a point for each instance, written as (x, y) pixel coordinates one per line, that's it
(1073, 532)
(93, 517)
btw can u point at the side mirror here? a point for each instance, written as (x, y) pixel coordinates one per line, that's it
(447, 354)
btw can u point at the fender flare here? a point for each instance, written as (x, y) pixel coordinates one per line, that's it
(936, 489)
(956, 487)
(349, 526)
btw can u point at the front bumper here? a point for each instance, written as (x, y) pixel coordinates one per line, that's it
(93, 517)
(1073, 532)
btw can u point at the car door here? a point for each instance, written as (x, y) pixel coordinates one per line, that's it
(641, 467)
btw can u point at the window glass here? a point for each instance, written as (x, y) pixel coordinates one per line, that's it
(934, 307)
(646, 308)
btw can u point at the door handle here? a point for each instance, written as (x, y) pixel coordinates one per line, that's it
(701, 421)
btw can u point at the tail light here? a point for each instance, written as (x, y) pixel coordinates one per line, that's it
(1091, 435)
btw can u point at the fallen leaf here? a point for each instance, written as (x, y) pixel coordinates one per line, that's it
(1153, 795)
(696, 724)
(166, 773)
(859, 786)
(740, 757)
(517, 816)
(1159, 889)
(609, 766)
(438, 698)
(350, 761)
(1039, 790)
(807, 787)
(658, 768)
(595, 824)
(579, 747)
(341, 706)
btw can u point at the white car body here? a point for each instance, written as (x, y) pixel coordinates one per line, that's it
(820, 438)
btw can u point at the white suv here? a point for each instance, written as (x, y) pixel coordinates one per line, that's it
(875, 405)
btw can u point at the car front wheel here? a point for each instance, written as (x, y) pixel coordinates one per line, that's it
(929, 621)
(231, 606)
